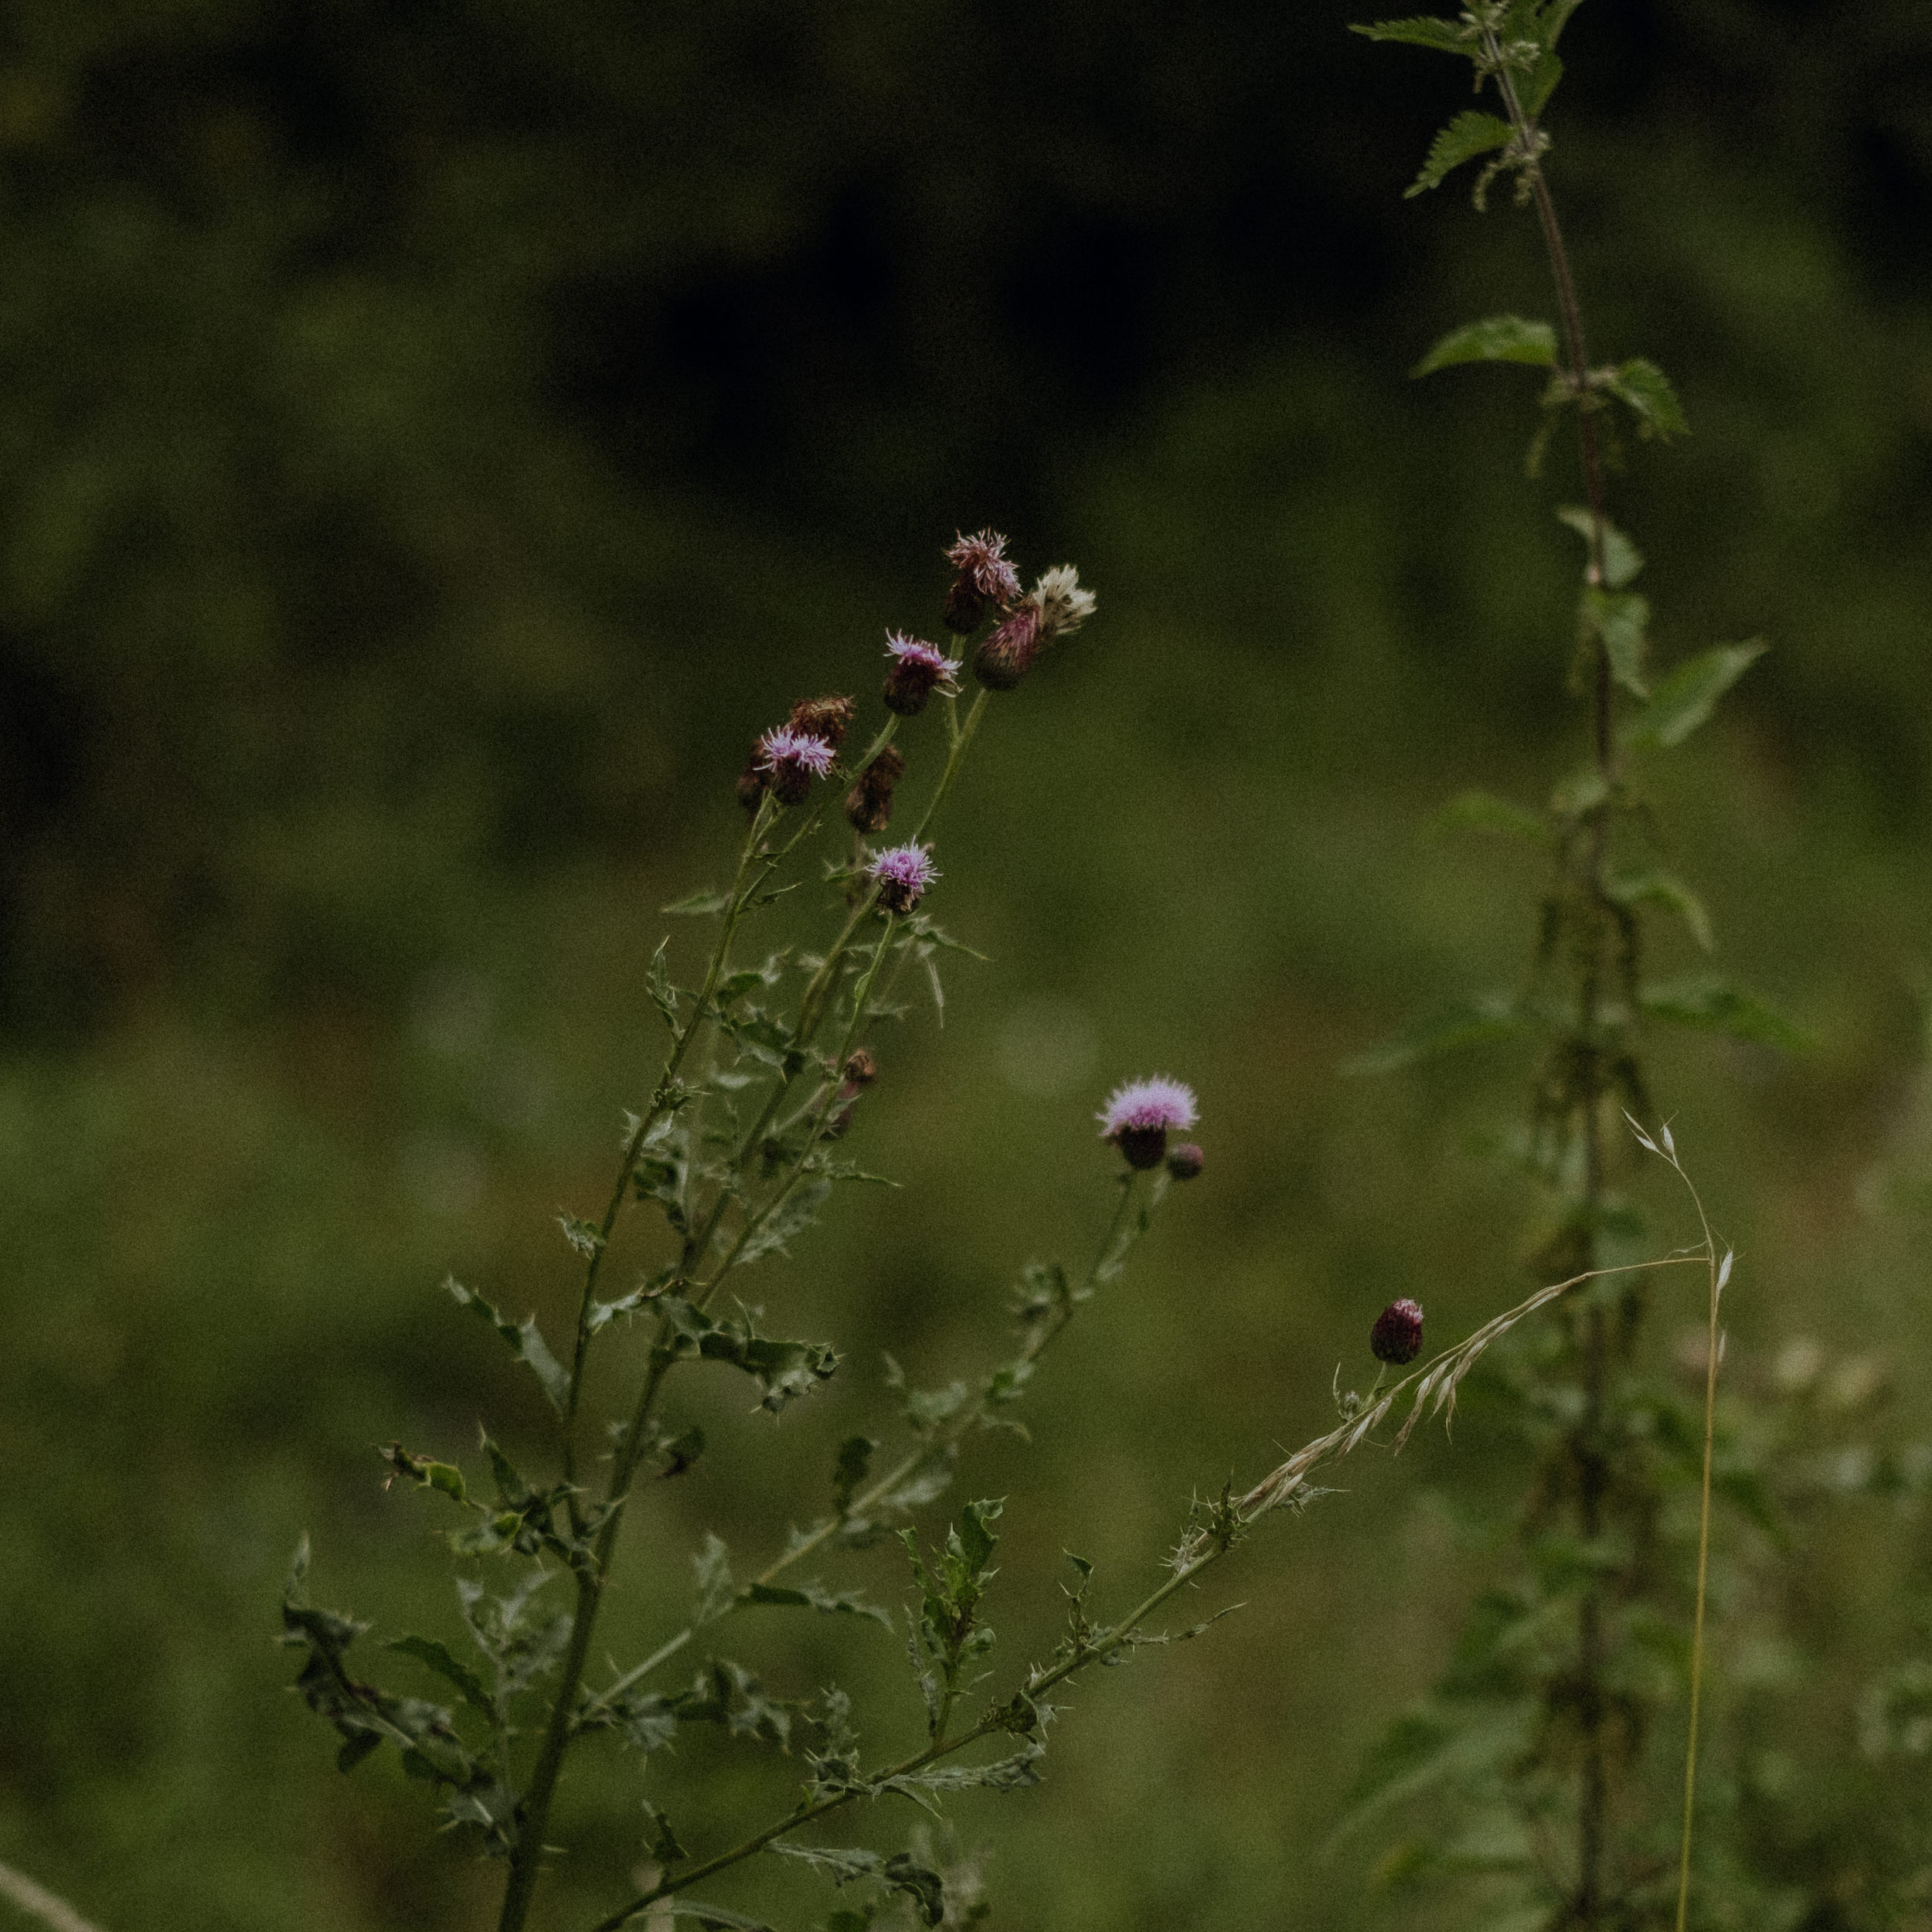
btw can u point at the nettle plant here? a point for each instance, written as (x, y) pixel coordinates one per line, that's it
(741, 1143)
(1542, 1742)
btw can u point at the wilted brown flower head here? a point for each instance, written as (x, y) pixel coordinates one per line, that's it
(868, 804)
(825, 717)
(1064, 606)
(1004, 653)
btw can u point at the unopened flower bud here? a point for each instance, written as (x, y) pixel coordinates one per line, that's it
(902, 875)
(1185, 1161)
(1004, 655)
(792, 759)
(868, 804)
(825, 717)
(918, 669)
(984, 576)
(1138, 1115)
(861, 1069)
(1397, 1336)
(754, 781)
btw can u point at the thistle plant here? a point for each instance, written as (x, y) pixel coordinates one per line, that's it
(1545, 1719)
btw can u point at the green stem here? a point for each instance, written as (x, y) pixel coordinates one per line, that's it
(662, 1101)
(1121, 1236)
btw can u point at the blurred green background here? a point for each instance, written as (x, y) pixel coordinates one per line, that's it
(437, 435)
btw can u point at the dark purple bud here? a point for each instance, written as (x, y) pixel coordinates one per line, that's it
(1397, 1336)
(1004, 655)
(1185, 1161)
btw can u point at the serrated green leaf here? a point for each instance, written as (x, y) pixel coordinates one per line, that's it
(1620, 619)
(1645, 390)
(1713, 1005)
(1495, 1016)
(1423, 30)
(1484, 812)
(697, 905)
(1470, 134)
(787, 1369)
(1664, 888)
(1010, 1773)
(523, 1340)
(1686, 696)
(1622, 559)
(786, 1222)
(1498, 338)
(1541, 83)
(427, 1650)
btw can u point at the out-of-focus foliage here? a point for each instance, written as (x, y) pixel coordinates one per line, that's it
(436, 437)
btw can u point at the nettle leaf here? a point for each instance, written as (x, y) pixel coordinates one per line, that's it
(786, 1370)
(1622, 559)
(1686, 696)
(1664, 888)
(1423, 30)
(1645, 390)
(427, 1650)
(1428, 1748)
(1545, 71)
(1493, 1016)
(698, 905)
(1468, 135)
(813, 1596)
(1499, 338)
(1479, 811)
(1621, 620)
(1583, 791)
(1713, 1005)
(900, 1872)
(523, 1340)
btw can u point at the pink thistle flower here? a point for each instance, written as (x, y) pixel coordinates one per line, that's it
(794, 758)
(902, 874)
(984, 576)
(1397, 1336)
(1137, 1115)
(918, 670)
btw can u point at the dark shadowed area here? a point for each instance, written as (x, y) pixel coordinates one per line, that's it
(436, 437)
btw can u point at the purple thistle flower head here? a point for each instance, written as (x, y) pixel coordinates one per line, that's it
(1137, 1115)
(902, 874)
(918, 670)
(984, 576)
(794, 758)
(1397, 1336)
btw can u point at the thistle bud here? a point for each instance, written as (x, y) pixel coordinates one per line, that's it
(902, 875)
(868, 804)
(825, 717)
(1138, 1115)
(861, 1069)
(792, 760)
(918, 670)
(1397, 1336)
(983, 576)
(1185, 1161)
(1004, 655)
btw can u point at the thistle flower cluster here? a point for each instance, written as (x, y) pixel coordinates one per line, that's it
(1138, 1116)
(1055, 607)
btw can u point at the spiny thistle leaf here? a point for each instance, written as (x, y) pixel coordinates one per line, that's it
(522, 1339)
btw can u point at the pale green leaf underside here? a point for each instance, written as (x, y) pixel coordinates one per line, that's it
(1497, 338)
